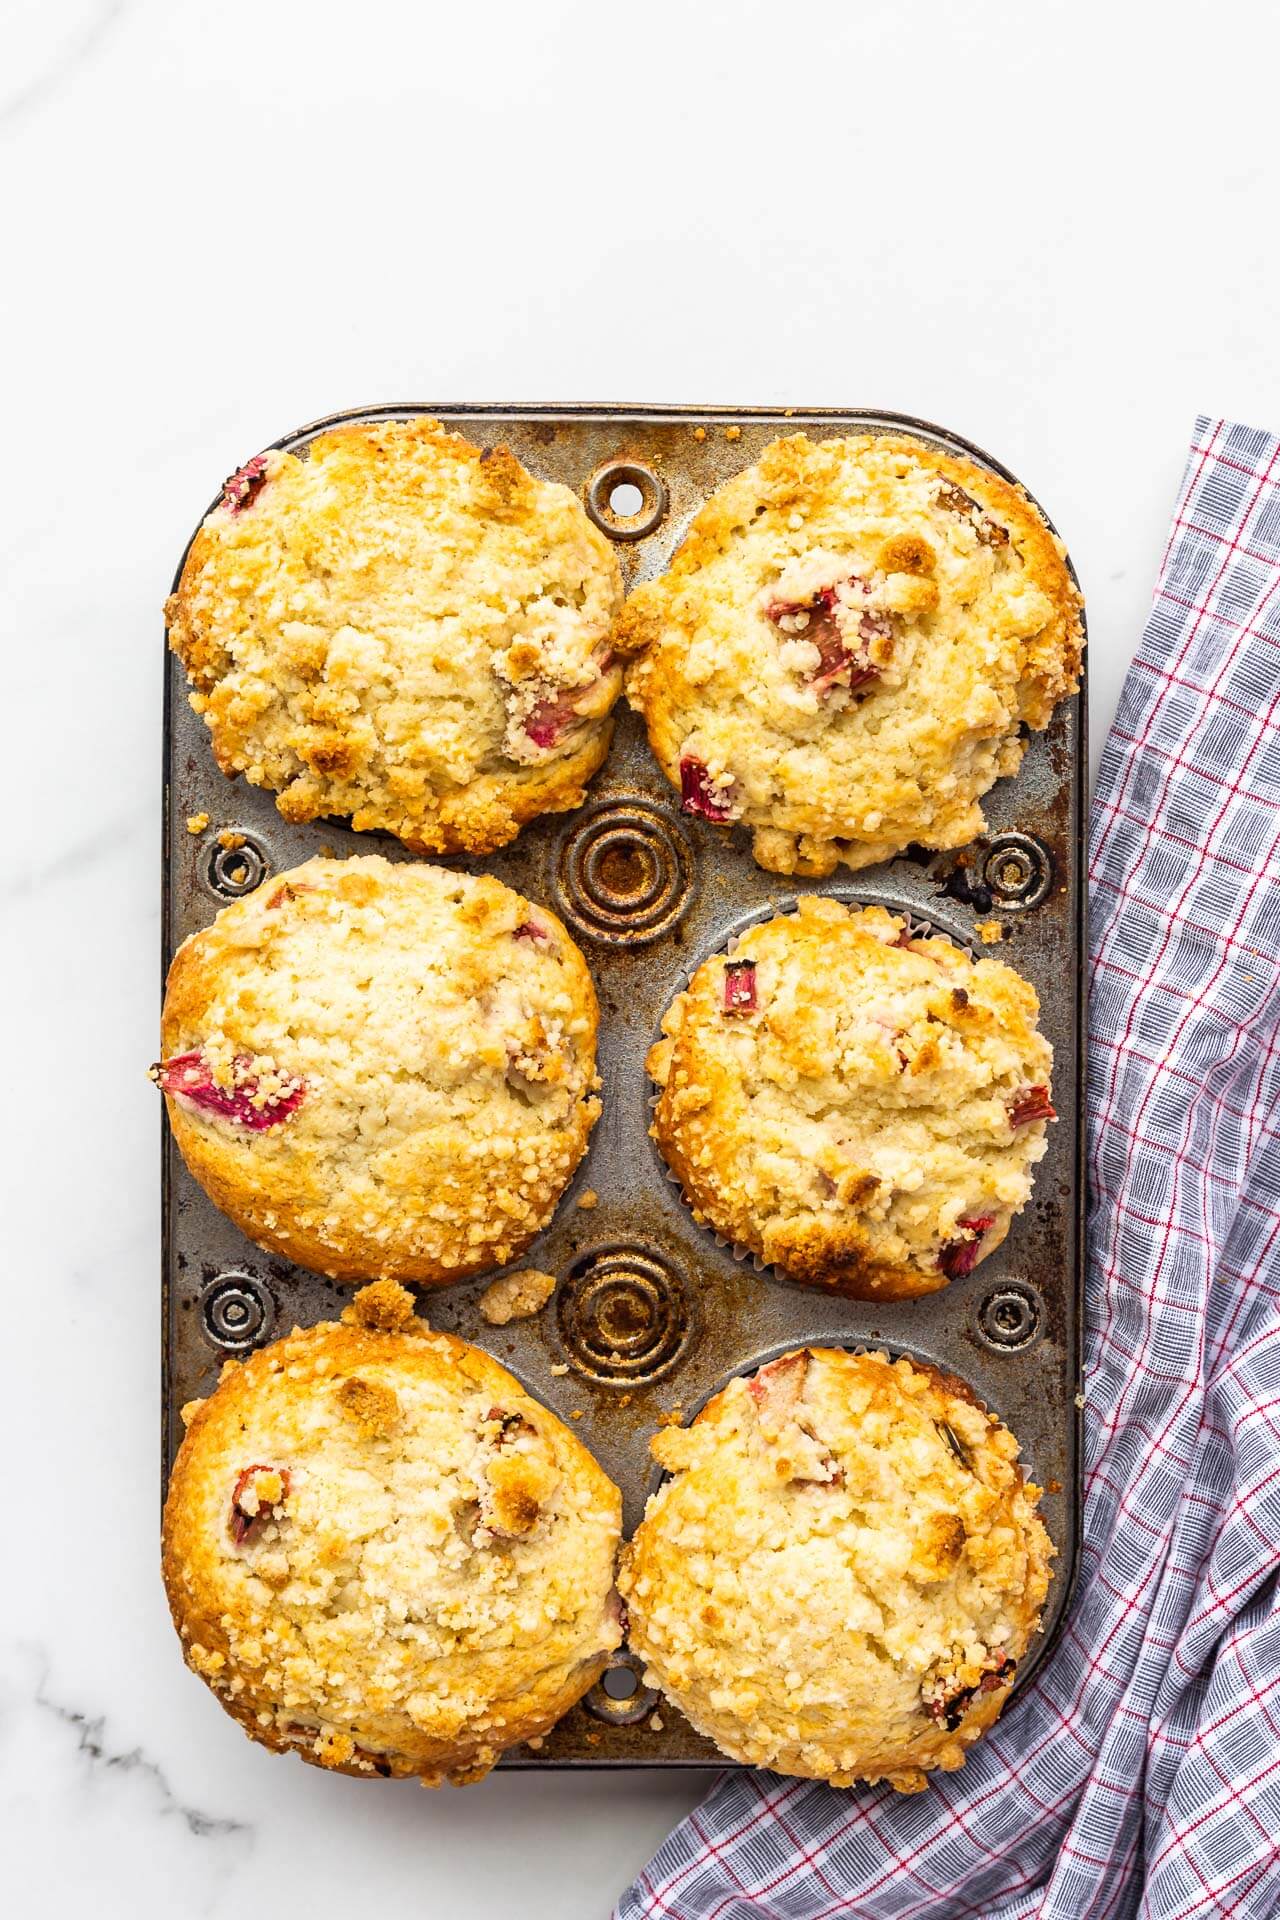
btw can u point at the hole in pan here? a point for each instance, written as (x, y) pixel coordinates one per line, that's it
(626, 500)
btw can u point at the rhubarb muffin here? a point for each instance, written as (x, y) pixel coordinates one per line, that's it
(402, 628)
(382, 1070)
(854, 1103)
(381, 1554)
(848, 648)
(843, 1570)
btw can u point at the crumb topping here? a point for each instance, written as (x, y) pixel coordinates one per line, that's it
(861, 1106)
(383, 1554)
(847, 646)
(841, 1571)
(403, 629)
(376, 1072)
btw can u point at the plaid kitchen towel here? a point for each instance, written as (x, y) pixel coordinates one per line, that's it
(1140, 1772)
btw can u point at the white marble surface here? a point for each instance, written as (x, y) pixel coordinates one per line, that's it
(1051, 227)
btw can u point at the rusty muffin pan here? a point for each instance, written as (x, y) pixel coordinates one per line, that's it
(652, 1314)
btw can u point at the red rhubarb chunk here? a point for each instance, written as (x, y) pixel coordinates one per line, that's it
(551, 719)
(871, 626)
(739, 986)
(287, 891)
(830, 627)
(532, 930)
(241, 488)
(959, 1257)
(554, 714)
(1033, 1103)
(777, 1388)
(950, 1708)
(242, 1522)
(955, 500)
(509, 1425)
(697, 795)
(187, 1077)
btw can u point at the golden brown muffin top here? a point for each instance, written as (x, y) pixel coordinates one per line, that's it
(403, 628)
(382, 1068)
(843, 1570)
(859, 1104)
(846, 645)
(380, 1551)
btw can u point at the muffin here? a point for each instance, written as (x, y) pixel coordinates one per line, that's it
(404, 629)
(382, 1070)
(857, 1105)
(848, 646)
(381, 1554)
(843, 1571)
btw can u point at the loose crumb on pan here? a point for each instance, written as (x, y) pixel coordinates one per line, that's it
(559, 1368)
(699, 433)
(733, 433)
(197, 822)
(383, 1307)
(588, 1198)
(516, 1296)
(230, 840)
(989, 931)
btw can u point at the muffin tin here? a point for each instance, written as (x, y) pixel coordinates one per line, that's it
(652, 1314)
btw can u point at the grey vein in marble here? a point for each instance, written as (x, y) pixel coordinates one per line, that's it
(98, 1756)
(76, 53)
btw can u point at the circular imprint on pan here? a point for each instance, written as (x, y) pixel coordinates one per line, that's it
(624, 1316)
(232, 872)
(625, 874)
(620, 1697)
(237, 1311)
(626, 501)
(1009, 1316)
(1018, 870)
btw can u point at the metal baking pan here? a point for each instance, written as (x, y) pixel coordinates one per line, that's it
(652, 1315)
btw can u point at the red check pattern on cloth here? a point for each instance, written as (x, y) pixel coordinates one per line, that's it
(1139, 1775)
